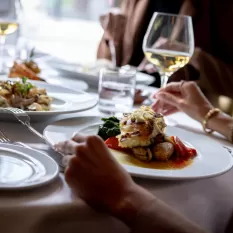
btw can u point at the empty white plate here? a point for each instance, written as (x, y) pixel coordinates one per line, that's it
(23, 168)
(212, 158)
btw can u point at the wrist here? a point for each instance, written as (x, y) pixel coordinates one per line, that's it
(203, 111)
(129, 205)
(221, 123)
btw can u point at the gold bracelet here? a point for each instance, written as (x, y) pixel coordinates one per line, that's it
(212, 112)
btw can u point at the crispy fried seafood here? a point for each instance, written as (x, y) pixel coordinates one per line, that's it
(140, 127)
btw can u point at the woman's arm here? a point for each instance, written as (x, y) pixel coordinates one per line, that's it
(223, 124)
(187, 97)
(143, 212)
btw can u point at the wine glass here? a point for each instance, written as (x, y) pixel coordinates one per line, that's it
(169, 43)
(8, 25)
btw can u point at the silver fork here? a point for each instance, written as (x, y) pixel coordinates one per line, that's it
(24, 119)
(5, 139)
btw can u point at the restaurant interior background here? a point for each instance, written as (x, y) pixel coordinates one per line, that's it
(61, 26)
(70, 30)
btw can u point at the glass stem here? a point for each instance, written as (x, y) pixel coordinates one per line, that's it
(2, 46)
(164, 78)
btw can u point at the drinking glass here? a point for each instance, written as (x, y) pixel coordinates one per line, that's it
(116, 90)
(169, 43)
(8, 25)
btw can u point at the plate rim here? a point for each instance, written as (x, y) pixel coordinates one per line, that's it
(87, 74)
(37, 184)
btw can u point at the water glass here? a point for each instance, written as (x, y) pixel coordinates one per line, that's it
(116, 90)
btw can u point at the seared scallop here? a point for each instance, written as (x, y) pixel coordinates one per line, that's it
(163, 151)
(142, 153)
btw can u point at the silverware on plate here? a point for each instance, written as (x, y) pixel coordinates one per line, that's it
(24, 119)
(5, 139)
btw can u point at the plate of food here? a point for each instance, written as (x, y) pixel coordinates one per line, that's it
(40, 72)
(146, 147)
(90, 72)
(42, 99)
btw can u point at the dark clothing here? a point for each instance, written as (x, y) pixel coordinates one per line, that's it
(165, 6)
(213, 55)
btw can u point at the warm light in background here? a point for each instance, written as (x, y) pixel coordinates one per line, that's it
(62, 26)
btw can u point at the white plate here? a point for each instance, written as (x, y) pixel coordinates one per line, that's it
(212, 158)
(53, 77)
(90, 74)
(64, 100)
(23, 168)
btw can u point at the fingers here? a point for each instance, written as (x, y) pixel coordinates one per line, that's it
(68, 147)
(191, 86)
(150, 68)
(173, 87)
(66, 160)
(165, 109)
(179, 87)
(156, 106)
(79, 138)
(142, 64)
(169, 98)
(167, 112)
(72, 170)
(98, 147)
(145, 66)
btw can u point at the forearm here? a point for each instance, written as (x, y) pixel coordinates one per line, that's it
(221, 123)
(142, 212)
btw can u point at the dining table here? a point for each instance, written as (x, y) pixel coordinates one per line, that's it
(54, 208)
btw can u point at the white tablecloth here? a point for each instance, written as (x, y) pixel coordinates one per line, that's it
(53, 208)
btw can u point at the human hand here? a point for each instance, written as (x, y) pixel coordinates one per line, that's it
(94, 174)
(182, 96)
(145, 65)
(113, 24)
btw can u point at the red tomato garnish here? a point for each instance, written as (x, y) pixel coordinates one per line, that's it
(112, 143)
(182, 150)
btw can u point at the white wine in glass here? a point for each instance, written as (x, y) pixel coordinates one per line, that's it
(7, 28)
(169, 43)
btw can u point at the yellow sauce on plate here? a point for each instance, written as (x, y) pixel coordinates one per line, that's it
(125, 158)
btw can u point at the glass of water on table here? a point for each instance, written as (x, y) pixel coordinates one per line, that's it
(116, 90)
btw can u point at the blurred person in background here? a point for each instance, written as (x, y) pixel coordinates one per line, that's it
(212, 62)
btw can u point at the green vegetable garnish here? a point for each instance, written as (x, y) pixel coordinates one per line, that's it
(24, 80)
(110, 128)
(24, 87)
